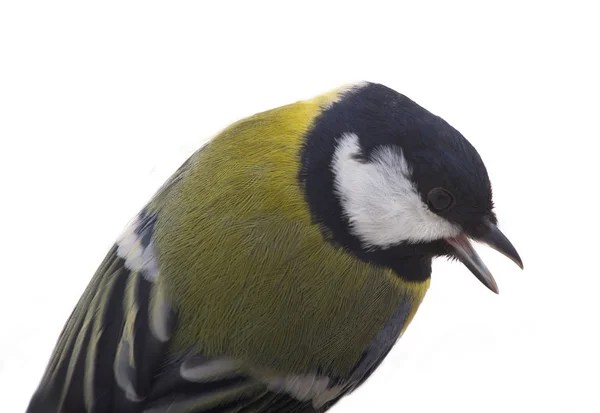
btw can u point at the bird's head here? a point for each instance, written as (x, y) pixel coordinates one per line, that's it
(397, 186)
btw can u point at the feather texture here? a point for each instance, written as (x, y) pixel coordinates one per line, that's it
(224, 296)
(249, 270)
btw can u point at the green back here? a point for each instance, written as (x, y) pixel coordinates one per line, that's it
(248, 272)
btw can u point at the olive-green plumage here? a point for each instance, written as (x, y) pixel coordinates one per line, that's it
(239, 203)
(245, 284)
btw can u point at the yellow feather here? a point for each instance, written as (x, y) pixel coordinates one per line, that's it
(248, 272)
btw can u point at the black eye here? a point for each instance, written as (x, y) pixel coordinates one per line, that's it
(439, 199)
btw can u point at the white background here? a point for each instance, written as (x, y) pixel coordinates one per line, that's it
(99, 103)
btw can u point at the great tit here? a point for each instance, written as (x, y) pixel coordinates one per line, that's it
(278, 266)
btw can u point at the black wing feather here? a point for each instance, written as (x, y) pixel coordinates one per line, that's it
(107, 333)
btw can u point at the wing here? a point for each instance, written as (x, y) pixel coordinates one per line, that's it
(114, 339)
(195, 384)
(112, 355)
(118, 333)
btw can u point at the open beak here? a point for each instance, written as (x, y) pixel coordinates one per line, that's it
(464, 251)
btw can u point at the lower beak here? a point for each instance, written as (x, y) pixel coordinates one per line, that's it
(464, 251)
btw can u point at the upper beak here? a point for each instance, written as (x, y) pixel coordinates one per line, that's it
(463, 250)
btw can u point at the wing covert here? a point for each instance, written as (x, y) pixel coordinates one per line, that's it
(116, 336)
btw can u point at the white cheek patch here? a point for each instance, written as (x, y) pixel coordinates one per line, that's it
(380, 200)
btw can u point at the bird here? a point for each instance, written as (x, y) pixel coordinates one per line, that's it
(278, 266)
